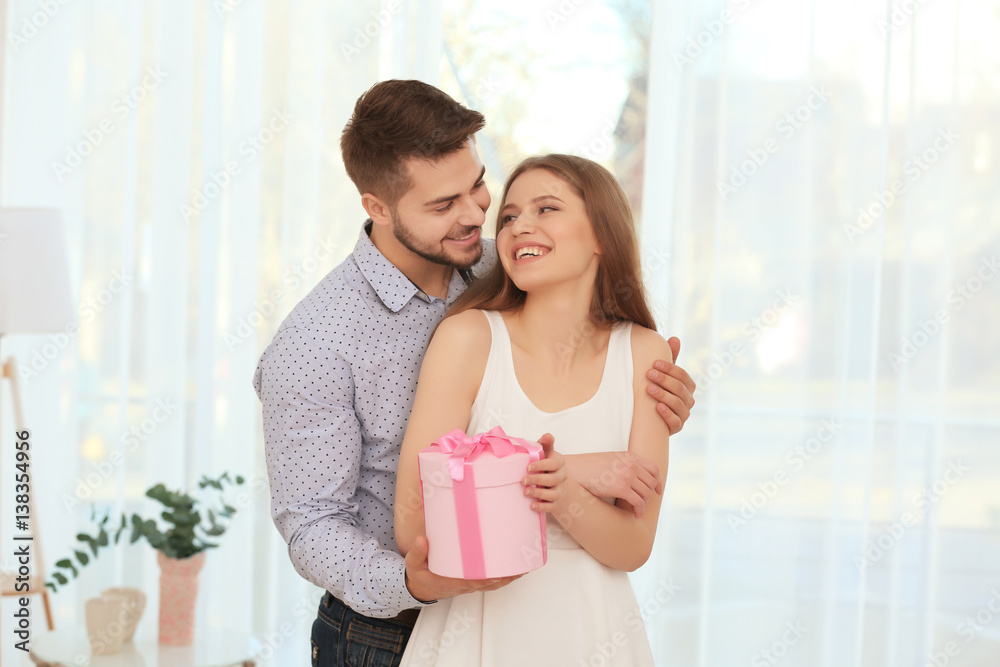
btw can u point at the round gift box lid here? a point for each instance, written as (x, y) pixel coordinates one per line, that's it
(488, 468)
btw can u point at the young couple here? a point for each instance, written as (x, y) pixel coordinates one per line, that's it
(555, 338)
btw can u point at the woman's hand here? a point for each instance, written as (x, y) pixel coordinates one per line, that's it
(545, 478)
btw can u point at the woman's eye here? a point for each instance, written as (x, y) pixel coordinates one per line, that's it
(543, 209)
(507, 218)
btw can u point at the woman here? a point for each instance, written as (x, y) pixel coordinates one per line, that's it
(557, 338)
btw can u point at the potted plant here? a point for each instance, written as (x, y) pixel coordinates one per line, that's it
(180, 550)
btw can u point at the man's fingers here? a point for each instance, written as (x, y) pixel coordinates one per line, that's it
(675, 346)
(680, 374)
(492, 584)
(666, 384)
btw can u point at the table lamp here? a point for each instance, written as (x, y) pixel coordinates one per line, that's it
(34, 298)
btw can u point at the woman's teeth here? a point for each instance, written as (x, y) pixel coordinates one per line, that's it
(530, 251)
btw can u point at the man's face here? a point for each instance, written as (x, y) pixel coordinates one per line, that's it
(440, 217)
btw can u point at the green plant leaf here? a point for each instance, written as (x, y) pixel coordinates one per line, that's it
(102, 538)
(58, 576)
(49, 584)
(82, 557)
(239, 479)
(65, 562)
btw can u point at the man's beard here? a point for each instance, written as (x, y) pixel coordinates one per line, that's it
(462, 262)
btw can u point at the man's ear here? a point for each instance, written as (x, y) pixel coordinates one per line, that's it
(377, 209)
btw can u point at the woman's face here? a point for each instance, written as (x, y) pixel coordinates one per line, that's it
(546, 236)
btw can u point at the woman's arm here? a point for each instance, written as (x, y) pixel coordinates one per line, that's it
(452, 370)
(612, 533)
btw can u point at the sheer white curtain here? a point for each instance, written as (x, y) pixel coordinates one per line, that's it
(825, 179)
(194, 150)
(819, 218)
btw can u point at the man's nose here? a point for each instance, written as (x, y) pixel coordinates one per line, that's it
(471, 215)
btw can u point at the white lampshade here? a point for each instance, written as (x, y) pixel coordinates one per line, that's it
(34, 272)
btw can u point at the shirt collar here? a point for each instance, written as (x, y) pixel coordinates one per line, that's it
(392, 286)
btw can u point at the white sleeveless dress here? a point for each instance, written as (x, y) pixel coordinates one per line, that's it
(572, 611)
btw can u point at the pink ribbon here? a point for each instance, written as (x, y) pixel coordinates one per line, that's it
(464, 450)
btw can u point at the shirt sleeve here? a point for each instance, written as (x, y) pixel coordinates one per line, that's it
(313, 444)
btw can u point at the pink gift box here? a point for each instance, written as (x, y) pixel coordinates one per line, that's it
(479, 523)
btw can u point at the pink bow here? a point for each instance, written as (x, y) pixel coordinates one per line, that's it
(465, 449)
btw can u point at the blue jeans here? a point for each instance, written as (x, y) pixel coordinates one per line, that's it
(341, 637)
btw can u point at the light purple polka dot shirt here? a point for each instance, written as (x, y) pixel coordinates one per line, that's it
(336, 386)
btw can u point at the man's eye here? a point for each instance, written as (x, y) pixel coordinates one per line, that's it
(444, 209)
(479, 184)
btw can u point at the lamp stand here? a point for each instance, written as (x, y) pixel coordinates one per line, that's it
(9, 369)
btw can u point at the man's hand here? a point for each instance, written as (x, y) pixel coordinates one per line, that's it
(616, 475)
(673, 388)
(425, 586)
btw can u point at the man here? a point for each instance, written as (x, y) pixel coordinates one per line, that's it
(338, 380)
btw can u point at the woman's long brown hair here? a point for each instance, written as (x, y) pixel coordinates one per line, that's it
(619, 294)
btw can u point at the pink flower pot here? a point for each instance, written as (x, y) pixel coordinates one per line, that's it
(178, 597)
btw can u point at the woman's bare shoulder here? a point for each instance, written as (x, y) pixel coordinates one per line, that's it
(467, 333)
(648, 346)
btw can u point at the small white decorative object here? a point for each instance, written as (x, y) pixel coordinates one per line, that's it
(133, 602)
(104, 629)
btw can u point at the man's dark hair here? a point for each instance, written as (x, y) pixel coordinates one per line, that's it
(396, 120)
